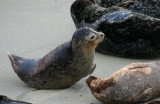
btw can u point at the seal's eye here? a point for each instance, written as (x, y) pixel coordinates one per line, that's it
(92, 37)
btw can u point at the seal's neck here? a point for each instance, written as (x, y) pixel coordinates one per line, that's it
(84, 51)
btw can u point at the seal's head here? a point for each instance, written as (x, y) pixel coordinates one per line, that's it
(91, 83)
(89, 80)
(86, 38)
(101, 88)
(98, 85)
(78, 7)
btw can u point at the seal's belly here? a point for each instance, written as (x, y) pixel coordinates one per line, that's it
(60, 78)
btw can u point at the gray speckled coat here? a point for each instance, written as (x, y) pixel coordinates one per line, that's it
(135, 83)
(63, 66)
(127, 33)
(148, 7)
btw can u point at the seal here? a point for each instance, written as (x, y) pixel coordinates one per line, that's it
(128, 34)
(62, 67)
(135, 83)
(147, 7)
(6, 100)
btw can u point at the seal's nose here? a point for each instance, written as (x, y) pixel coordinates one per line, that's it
(101, 34)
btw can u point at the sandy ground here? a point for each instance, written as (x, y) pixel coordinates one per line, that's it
(32, 28)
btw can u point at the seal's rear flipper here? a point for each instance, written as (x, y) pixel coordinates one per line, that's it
(15, 60)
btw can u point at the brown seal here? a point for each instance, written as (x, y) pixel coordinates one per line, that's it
(63, 66)
(135, 83)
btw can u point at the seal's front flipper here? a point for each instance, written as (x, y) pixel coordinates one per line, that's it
(127, 4)
(144, 96)
(15, 60)
(93, 68)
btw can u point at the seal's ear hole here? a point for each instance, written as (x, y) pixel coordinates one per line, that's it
(86, 40)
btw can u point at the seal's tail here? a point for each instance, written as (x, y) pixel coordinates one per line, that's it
(15, 60)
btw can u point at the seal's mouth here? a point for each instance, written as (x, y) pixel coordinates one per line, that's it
(101, 36)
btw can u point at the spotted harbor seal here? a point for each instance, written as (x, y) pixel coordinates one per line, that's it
(128, 34)
(6, 100)
(148, 7)
(135, 83)
(63, 66)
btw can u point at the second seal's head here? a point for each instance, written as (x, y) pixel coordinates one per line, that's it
(86, 37)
